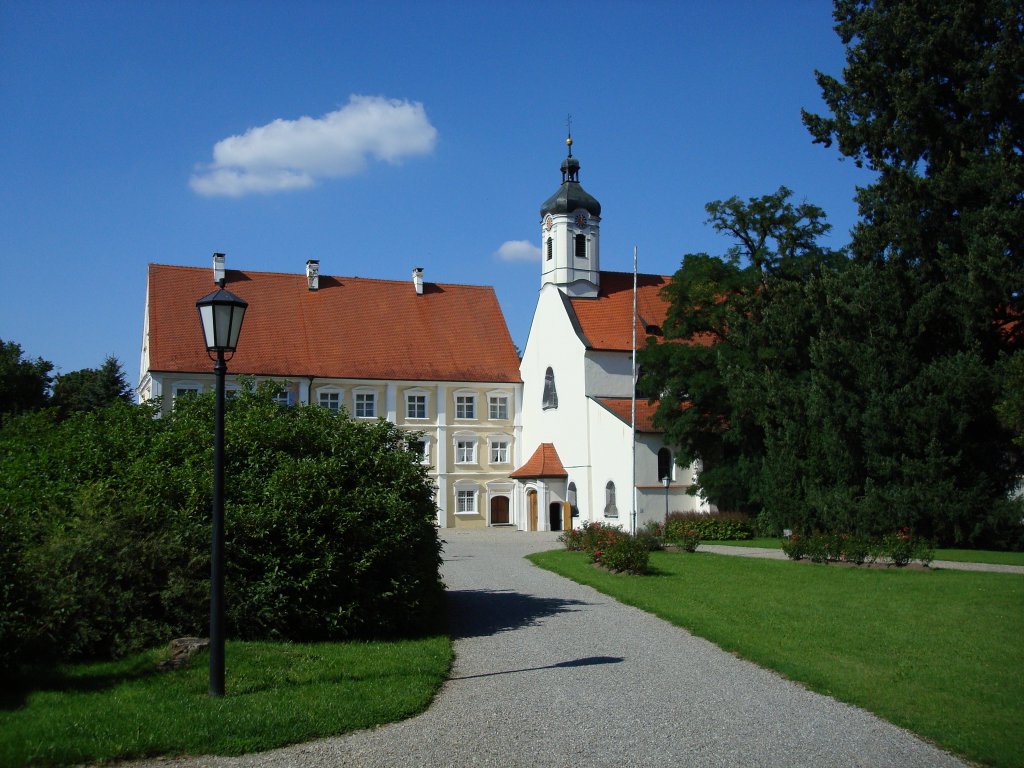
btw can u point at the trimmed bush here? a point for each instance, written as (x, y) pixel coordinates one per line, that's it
(609, 546)
(897, 549)
(625, 554)
(715, 526)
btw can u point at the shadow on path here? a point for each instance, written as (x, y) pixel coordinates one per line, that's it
(587, 661)
(484, 612)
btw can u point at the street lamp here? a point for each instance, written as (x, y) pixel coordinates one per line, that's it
(666, 480)
(221, 314)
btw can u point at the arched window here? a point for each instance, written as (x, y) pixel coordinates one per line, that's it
(550, 248)
(610, 510)
(581, 246)
(664, 463)
(550, 393)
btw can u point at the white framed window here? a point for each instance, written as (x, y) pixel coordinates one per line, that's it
(497, 406)
(186, 389)
(465, 406)
(329, 399)
(499, 450)
(466, 495)
(415, 405)
(366, 405)
(465, 450)
(421, 447)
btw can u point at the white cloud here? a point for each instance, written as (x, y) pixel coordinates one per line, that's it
(293, 154)
(518, 250)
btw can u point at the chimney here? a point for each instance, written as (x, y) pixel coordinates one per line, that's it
(313, 274)
(218, 268)
(417, 280)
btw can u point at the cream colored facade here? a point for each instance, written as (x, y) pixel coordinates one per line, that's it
(469, 431)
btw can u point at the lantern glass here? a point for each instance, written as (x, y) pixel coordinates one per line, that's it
(221, 314)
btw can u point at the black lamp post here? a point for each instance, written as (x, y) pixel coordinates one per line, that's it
(221, 314)
(666, 480)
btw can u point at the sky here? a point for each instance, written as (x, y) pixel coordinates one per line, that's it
(378, 137)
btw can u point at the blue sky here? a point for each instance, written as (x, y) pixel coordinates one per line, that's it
(381, 136)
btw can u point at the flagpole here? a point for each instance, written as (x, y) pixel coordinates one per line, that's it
(633, 403)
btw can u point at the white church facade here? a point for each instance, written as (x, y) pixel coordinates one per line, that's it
(583, 459)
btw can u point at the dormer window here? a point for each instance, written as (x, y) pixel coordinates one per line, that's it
(550, 393)
(581, 246)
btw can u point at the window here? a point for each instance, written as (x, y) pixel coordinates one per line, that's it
(498, 406)
(550, 248)
(421, 447)
(499, 452)
(330, 400)
(415, 406)
(366, 405)
(465, 406)
(664, 464)
(570, 496)
(550, 394)
(465, 502)
(465, 451)
(581, 246)
(610, 510)
(186, 390)
(283, 398)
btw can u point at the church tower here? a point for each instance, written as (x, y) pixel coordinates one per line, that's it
(570, 235)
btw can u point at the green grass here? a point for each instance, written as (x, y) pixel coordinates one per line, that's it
(956, 555)
(277, 694)
(940, 653)
(764, 543)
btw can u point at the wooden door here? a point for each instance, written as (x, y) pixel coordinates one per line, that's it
(499, 510)
(531, 510)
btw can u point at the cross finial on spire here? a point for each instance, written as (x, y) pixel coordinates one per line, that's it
(568, 126)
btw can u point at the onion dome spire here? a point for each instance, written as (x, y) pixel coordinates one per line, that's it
(570, 196)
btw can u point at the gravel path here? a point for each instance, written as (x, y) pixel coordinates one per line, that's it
(551, 673)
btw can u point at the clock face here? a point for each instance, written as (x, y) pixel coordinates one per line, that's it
(548, 222)
(581, 219)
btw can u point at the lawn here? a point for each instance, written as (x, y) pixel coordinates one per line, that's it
(940, 653)
(277, 694)
(956, 555)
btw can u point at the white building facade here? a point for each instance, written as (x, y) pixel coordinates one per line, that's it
(577, 370)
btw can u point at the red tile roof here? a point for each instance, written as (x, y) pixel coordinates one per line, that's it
(622, 408)
(607, 320)
(543, 463)
(351, 328)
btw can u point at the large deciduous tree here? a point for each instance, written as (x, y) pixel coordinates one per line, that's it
(719, 356)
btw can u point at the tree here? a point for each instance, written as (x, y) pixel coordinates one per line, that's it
(718, 357)
(89, 389)
(24, 384)
(906, 364)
